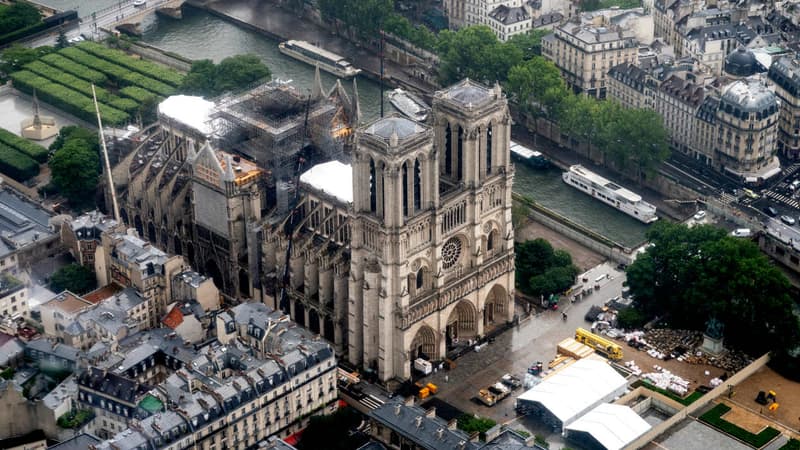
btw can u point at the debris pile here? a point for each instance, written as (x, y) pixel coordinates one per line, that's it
(665, 379)
(730, 361)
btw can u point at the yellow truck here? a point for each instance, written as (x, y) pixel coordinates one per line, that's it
(600, 344)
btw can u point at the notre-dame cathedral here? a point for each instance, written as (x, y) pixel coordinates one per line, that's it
(398, 246)
(419, 255)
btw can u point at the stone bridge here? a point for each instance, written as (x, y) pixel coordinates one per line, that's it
(130, 17)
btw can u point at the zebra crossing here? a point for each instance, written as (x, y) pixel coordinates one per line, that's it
(372, 402)
(727, 198)
(783, 199)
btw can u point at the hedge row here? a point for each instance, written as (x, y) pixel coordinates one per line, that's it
(72, 82)
(17, 165)
(137, 93)
(71, 101)
(123, 104)
(116, 73)
(793, 444)
(714, 418)
(73, 68)
(146, 68)
(35, 151)
(22, 32)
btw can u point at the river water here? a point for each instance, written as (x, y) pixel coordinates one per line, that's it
(201, 35)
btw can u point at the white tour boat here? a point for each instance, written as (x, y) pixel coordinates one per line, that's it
(409, 104)
(316, 56)
(610, 193)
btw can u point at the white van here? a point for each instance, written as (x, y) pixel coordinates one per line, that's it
(741, 232)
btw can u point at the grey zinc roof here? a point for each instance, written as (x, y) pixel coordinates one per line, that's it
(785, 72)
(749, 96)
(430, 433)
(509, 15)
(9, 350)
(79, 442)
(468, 93)
(22, 222)
(386, 127)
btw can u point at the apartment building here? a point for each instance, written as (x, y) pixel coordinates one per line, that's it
(217, 395)
(128, 261)
(81, 236)
(508, 21)
(632, 86)
(13, 297)
(785, 77)
(677, 100)
(585, 52)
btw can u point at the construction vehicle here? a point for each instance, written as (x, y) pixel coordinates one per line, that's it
(602, 345)
(486, 397)
(493, 394)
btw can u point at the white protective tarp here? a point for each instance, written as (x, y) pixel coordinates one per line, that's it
(577, 388)
(333, 178)
(613, 426)
(194, 112)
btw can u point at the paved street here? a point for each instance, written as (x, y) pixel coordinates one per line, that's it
(514, 351)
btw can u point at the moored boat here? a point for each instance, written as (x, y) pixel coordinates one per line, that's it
(610, 193)
(316, 56)
(409, 104)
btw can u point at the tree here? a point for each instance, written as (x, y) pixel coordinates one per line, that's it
(332, 431)
(474, 52)
(74, 278)
(470, 424)
(689, 275)
(75, 168)
(19, 14)
(240, 71)
(61, 41)
(363, 16)
(537, 86)
(15, 57)
(232, 73)
(542, 270)
(529, 43)
(72, 132)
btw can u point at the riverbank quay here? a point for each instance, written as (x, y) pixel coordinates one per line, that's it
(674, 201)
(269, 19)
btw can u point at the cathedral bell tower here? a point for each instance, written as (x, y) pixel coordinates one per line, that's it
(432, 243)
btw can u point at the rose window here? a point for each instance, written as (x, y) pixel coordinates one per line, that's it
(451, 252)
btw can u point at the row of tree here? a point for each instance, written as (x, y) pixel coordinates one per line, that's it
(634, 140)
(690, 275)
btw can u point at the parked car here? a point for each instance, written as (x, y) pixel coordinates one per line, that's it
(788, 220)
(139, 3)
(770, 211)
(699, 215)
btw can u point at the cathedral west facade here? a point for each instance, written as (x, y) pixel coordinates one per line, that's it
(416, 258)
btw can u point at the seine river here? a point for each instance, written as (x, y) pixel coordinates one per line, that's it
(201, 35)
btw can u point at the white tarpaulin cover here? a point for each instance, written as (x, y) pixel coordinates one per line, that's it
(194, 112)
(572, 391)
(333, 178)
(613, 426)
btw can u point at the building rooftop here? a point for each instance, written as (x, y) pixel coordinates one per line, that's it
(413, 423)
(332, 178)
(65, 390)
(91, 225)
(194, 112)
(22, 222)
(468, 93)
(613, 426)
(132, 251)
(741, 63)
(509, 15)
(785, 72)
(748, 96)
(79, 442)
(394, 127)
(68, 303)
